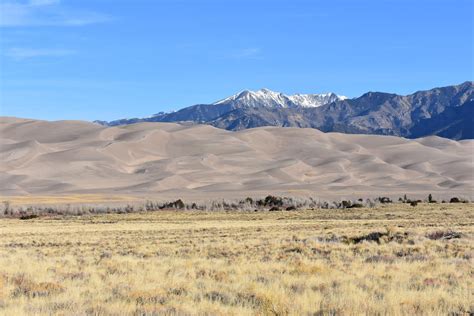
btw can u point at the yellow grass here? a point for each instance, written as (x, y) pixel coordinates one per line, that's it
(241, 263)
(37, 200)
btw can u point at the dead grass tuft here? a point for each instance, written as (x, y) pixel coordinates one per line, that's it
(30, 289)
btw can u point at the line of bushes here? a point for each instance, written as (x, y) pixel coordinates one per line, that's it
(269, 203)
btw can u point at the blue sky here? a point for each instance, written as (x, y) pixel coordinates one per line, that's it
(109, 59)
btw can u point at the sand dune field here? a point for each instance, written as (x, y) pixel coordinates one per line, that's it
(165, 160)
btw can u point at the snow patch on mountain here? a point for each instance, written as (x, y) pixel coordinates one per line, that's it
(269, 98)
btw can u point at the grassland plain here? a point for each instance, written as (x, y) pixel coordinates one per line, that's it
(393, 259)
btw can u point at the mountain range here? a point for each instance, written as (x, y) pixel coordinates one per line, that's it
(446, 111)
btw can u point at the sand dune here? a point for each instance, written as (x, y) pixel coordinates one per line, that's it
(165, 160)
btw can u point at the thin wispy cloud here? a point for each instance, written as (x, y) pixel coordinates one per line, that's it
(43, 2)
(247, 53)
(28, 53)
(45, 13)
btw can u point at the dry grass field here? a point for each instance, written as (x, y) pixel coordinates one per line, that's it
(93, 199)
(393, 259)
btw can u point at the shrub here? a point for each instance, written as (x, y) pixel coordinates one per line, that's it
(248, 200)
(28, 216)
(384, 199)
(178, 204)
(446, 235)
(430, 199)
(375, 236)
(346, 204)
(6, 207)
(273, 201)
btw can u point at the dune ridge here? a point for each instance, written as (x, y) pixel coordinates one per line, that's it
(170, 160)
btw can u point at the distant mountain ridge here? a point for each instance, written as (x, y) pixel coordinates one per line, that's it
(445, 111)
(263, 98)
(269, 98)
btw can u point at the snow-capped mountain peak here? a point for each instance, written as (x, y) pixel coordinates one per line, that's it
(315, 100)
(268, 98)
(262, 97)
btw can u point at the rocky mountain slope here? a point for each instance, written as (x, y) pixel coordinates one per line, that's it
(445, 111)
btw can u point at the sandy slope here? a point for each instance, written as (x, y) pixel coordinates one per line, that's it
(164, 160)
